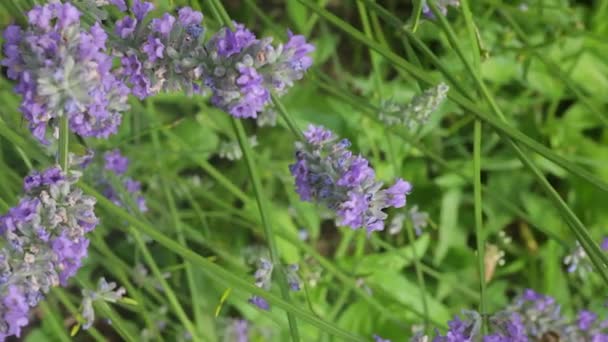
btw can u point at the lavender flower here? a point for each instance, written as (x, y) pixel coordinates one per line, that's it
(63, 69)
(44, 245)
(263, 280)
(327, 172)
(604, 244)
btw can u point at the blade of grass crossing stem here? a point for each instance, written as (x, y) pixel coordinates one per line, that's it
(214, 271)
(268, 234)
(171, 297)
(576, 225)
(459, 99)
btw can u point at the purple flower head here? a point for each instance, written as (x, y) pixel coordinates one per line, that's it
(32, 181)
(357, 172)
(163, 25)
(317, 135)
(351, 212)
(228, 42)
(14, 312)
(141, 8)
(52, 176)
(125, 27)
(116, 162)
(299, 51)
(153, 48)
(67, 14)
(396, 194)
(604, 244)
(260, 302)
(188, 17)
(586, 319)
(120, 4)
(69, 254)
(41, 16)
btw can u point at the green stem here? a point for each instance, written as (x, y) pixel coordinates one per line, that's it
(171, 297)
(64, 134)
(261, 202)
(479, 235)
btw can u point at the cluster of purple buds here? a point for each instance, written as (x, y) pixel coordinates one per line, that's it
(61, 68)
(242, 70)
(117, 165)
(326, 171)
(263, 280)
(44, 244)
(161, 54)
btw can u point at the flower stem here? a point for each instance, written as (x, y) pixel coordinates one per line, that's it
(64, 134)
(479, 235)
(261, 202)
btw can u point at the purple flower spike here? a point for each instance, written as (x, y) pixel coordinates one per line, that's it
(116, 162)
(327, 172)
(260, 302)
(44, 243)
(604, 244)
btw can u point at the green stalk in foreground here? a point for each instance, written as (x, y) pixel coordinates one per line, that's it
(479, 235)
(261, 202)
(64, 134)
